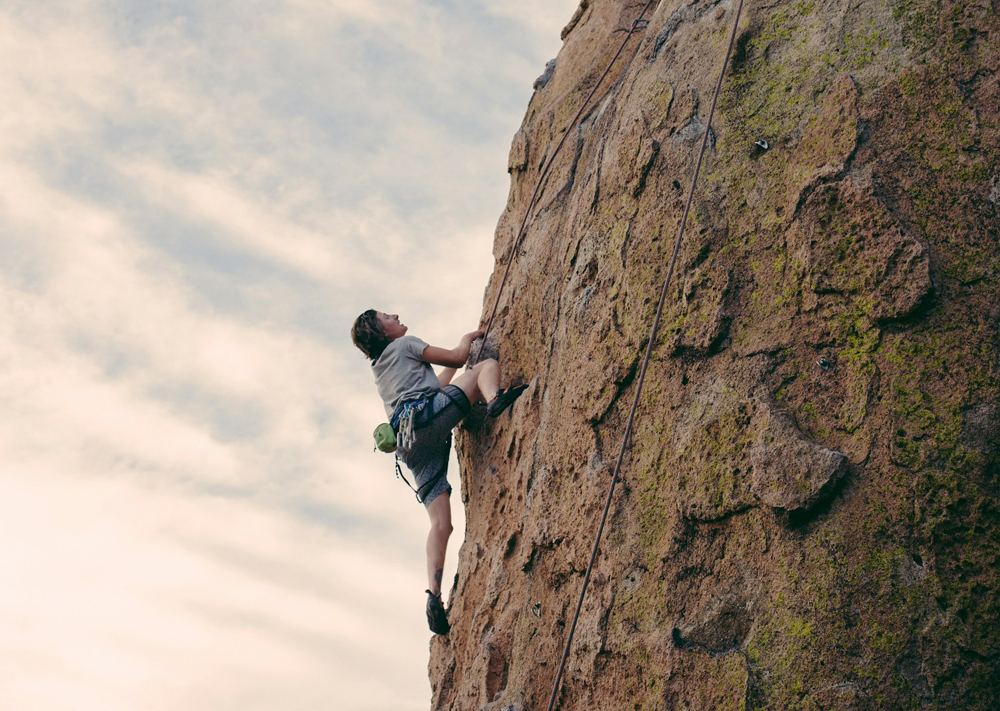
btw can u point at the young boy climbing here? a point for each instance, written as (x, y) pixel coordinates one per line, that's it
(423, 408)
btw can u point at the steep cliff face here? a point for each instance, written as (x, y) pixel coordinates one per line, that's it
(808, 515)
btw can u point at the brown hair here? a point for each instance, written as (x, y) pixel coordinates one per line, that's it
(368, 336)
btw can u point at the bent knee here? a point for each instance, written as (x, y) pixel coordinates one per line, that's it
(488, 363)
(442, 528)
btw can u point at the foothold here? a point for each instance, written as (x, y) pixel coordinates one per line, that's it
(761, 144)
(823, 363)
(536, 609)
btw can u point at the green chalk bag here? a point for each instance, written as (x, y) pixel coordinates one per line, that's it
(385, 438)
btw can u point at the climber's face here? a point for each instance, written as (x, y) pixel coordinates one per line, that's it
(390, 325)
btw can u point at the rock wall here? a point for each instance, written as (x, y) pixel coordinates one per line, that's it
(808, 514)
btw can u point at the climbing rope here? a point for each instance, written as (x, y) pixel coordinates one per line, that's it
(645, 361)
(639, 21)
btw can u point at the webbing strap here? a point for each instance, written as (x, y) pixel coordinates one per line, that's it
(427, 484)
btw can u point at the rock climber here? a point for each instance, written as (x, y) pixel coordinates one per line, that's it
(423, 408)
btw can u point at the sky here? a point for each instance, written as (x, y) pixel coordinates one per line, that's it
(196, 201)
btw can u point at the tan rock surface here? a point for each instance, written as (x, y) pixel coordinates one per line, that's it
(784, 535)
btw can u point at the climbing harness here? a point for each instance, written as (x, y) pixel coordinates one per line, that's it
(645, 361)
(385, 435)
(397, 435)
(639, 21)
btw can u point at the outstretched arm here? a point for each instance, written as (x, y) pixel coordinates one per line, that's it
(455, 357)
(446, 375)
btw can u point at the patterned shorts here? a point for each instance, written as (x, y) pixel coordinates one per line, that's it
(428, 457)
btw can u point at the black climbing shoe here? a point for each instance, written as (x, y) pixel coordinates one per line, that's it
(437, 619)
(504, 399)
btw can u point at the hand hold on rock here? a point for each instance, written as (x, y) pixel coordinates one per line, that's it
(790, 471)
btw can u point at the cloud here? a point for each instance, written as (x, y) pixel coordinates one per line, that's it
(127, 589)
(245, 222)
(196, 199)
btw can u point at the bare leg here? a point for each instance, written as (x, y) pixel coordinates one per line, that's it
(480, 382)
(437, 541)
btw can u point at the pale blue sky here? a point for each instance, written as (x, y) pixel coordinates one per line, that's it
(196, 199)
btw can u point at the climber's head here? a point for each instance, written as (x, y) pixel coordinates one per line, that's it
(374, 330)
(391, 326)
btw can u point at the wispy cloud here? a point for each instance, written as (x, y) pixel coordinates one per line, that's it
(196, 199)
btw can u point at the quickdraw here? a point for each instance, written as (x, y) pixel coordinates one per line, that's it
(402, 422)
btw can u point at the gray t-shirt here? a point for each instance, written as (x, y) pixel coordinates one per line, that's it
(401, 374)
